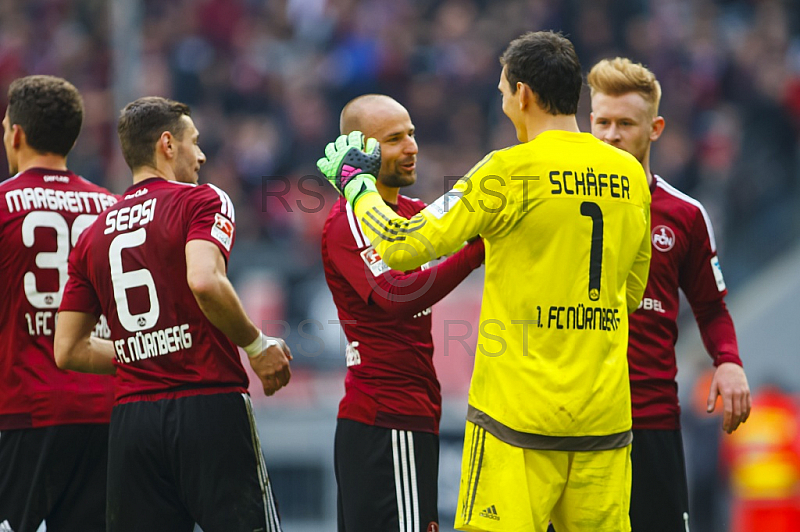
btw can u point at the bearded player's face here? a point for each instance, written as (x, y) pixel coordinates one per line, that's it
(392, 127)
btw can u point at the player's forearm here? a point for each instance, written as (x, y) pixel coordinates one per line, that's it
(717, 330)
(219, 303)
(408, 294)
(98, 357)
(404, 244)
(92, 356)
(75, 349)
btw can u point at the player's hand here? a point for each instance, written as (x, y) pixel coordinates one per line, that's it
(272, 367)
(730, 383)
(350, 165)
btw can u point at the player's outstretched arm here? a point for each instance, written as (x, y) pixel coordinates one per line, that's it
(406, 294)
(405, 244)
(216, 297)
(76, 349)
(730, 383)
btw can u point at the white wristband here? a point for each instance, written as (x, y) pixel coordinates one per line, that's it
(261, 343)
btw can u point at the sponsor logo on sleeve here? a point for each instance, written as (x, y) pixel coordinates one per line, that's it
(374, 261)
(717, 273)
(442, 206)
(490, 513)
(223, 231)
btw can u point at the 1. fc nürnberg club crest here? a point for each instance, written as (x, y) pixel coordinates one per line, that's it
(663, 238)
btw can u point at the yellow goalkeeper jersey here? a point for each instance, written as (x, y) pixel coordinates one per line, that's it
(565, 219)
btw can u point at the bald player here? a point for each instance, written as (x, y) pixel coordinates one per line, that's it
(387, 433)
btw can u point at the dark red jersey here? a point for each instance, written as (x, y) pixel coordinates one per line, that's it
(131, 266)
(42, 213)
(685, 257)
(391, 381)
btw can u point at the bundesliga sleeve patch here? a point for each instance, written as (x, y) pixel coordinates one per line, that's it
(223, 231)
(717, 273)
(442, 206)
(374, 261)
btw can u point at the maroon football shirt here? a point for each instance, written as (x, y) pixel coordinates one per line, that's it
(685, 257)
(42, 213)
(131, 266)
(391, 381)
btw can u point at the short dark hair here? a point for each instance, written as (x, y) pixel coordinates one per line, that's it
(141, 124)
(545, 61)
(49, 110)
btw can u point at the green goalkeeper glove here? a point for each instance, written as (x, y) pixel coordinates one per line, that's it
(351, 166)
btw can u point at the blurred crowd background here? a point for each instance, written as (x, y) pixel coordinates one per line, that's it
(267, 78)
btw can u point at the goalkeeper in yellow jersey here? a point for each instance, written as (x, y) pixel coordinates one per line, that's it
(565, 220)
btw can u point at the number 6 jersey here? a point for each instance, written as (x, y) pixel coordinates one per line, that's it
(42, 214)
(131, 266)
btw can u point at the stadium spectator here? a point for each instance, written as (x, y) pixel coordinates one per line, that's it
(387, 443)
(549, 423)
(625, 99)
(53, 423)
(183, 444)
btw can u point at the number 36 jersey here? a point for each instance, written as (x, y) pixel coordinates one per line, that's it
(131, 266)
(565, 221)
(42, 214)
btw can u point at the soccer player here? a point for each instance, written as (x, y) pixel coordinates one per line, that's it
(565, 219)
(183, 444)
(387, 433)
(53, 423)
(625, 98)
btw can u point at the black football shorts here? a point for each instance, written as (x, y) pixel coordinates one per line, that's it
(386, 478)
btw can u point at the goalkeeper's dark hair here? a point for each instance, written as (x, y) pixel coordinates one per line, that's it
(546, 62)
(141, 124)
(49, 110)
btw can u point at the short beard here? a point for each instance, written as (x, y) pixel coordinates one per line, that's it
(397, 180)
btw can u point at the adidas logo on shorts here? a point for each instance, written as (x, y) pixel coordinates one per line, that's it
(5, 526)
(490, 513)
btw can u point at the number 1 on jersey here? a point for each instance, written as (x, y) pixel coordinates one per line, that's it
(592, 210)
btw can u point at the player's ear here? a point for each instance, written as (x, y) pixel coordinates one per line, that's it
(166, 144)
(17, 136)
(526, 96)
(657, 128)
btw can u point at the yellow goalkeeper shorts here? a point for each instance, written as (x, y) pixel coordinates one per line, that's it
(507, 488)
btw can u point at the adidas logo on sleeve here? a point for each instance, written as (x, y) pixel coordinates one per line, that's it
(490, 513)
